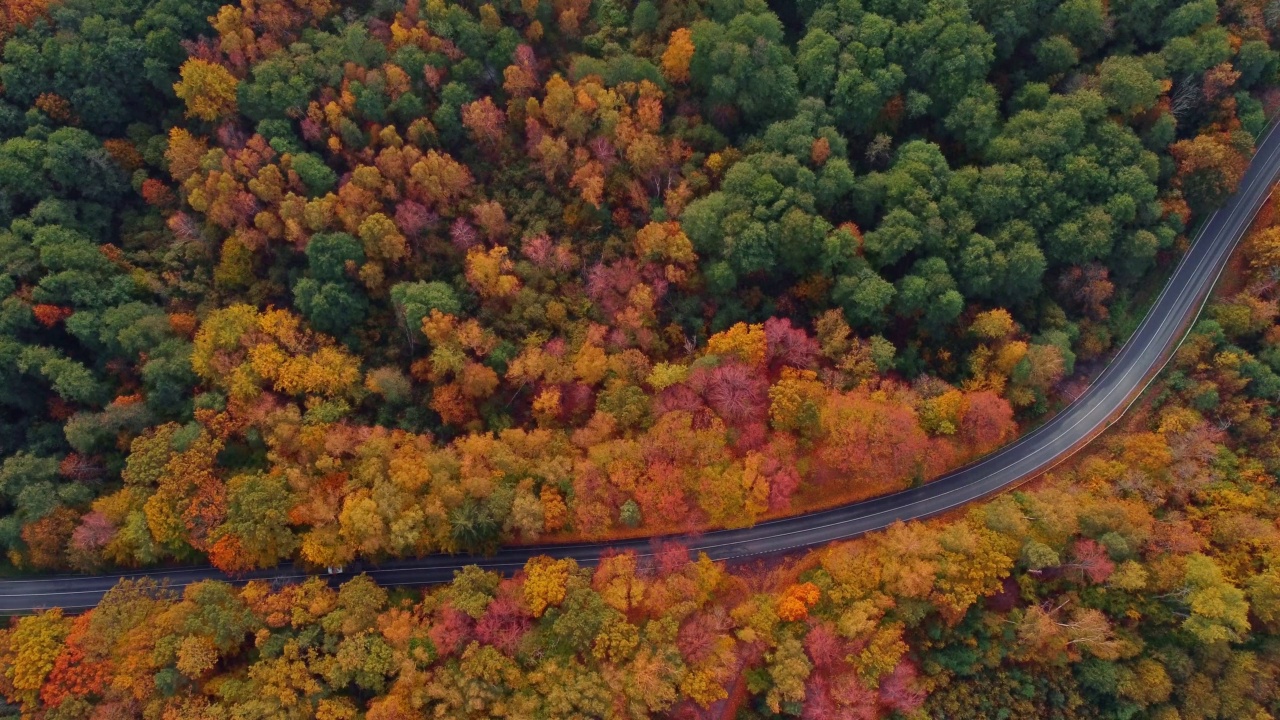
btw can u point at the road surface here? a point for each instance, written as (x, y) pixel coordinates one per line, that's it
(1111, 393)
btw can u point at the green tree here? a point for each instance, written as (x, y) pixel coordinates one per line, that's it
(1128, 84)
(945, 53)
(928, 294)
(258, 519)
(745, 66)
(864, 297)
(414, 301)
(1084, 22)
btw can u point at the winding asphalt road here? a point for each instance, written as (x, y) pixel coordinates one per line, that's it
(1111, 393)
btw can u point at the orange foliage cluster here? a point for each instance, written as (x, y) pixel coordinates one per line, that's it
(714, 443)
(1142, 539)
(253, 29)
(15, 13)
(50, 315)
(566, 402)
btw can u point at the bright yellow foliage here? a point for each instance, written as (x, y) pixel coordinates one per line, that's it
(702, 687)
(196, 656)
(1264, 248)
(1009, 355)
(941, 415)
(362, 526)
(239, 348)
(330, 371)
(882, 654)
(745, 341)
(545, 582)
(31, 649)
(974, 561)
(546, 406)
(664, 375)
(184, 153)
(489, 272)
(993, 324)
(220, 332)
(208, 89)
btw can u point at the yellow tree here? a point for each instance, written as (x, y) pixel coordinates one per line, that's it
(362, 525)
(974, 562)
(28, 652)
(702, 687)
(789, 668)
(1219, 611)
(208, 89)
(745, 341)
(184, 153)
(882, 653)
(489, 272)
(678, 55)
(1264, 248)
(664, 241)
(795, 400)
(1264, 597)
(616, 581)
(196, 656)
(546, 581)
(994, 324)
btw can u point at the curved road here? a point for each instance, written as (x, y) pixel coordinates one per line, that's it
(1114, 390)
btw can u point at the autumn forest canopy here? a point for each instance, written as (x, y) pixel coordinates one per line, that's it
(298, 279)
(320, 281)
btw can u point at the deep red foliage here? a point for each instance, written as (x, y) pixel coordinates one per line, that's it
(503, 625)
(609, 285)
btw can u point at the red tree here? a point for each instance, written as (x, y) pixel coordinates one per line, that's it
(900, 690)
(1092, 561)
(788, 345)
(737, 393)
(987, 422)
(503, 625)
(451, 632)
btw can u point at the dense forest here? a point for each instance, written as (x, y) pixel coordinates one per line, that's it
(319, 280)
(1141, 582)
(299, 279)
